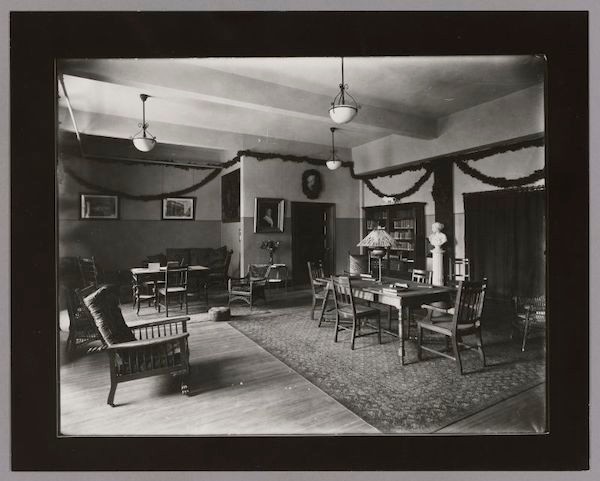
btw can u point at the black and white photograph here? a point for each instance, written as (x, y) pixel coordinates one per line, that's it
(99, 206)
(449, 207)
(178, 208)
(370, 260)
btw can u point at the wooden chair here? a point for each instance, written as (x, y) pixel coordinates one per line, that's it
(88, 271)
(218, 276)
(82, 329)
(422, 276)
(143, 291)
(531, 314)
(351, 316)
(251, 287)
(319, 288)
(463, 319)
(459, 269)
(175, 285)
(149, 349)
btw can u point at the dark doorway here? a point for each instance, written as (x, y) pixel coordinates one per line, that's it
(505, 240)
(313, 238)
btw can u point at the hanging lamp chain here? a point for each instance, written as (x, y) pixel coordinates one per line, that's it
(143, 125)
(343, 86)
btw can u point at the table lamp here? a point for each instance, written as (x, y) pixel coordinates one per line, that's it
(379, 241)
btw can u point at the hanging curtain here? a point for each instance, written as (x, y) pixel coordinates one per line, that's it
(505, 240)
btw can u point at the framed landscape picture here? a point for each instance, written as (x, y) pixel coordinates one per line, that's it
(268, 215)
(93, 206)
(178, 208)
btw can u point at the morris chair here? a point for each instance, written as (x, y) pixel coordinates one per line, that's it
(463, 319)
(148, 349)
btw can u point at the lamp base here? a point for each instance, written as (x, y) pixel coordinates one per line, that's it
(379, 254)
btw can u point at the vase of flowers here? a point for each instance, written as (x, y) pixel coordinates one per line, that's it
(271, 246)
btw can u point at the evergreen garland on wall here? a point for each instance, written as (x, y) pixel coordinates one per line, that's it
(460, 159)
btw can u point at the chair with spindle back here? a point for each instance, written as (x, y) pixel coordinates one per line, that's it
(143, 291)
(421, 276)
(149, 349)
(461, 320)
(459, 269)
(175, 285)
(349, 315)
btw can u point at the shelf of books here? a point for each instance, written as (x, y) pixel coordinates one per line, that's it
(405, 223)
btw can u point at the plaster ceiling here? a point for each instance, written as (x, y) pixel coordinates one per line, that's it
(229, 104)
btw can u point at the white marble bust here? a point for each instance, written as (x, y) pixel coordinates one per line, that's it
(437, 238)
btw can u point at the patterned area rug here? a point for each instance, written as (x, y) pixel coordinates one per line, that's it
(419, 397)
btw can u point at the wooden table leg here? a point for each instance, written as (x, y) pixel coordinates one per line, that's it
(401, 334)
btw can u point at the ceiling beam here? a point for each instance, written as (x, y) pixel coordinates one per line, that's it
(186, 82)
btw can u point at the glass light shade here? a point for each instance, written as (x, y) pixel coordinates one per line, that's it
(144, 144)
(333, 164)
(378, 238)
(342, 113)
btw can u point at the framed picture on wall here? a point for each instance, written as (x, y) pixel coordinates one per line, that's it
(179, 208)
(269, 215)
(94, 206)
(230, 197)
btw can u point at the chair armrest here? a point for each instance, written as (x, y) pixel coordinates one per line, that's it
(160, 327)
(164, 320)
(438, 309)
(243, 280)
(147, 342)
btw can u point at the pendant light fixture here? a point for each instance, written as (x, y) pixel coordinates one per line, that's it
(344, 107)
(334, 162)
(146, 141)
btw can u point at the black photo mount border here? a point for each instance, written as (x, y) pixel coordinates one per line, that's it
(39, 38)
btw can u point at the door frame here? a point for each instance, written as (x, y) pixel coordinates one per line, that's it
(330, 228)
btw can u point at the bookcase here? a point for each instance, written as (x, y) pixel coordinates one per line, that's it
(406, 224)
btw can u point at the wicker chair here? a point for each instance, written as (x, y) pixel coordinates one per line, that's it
(530, 314)
(251, 287)
(148, 349)
(82, 329)
(463, 319)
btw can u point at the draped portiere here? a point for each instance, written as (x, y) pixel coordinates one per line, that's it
(506, 242)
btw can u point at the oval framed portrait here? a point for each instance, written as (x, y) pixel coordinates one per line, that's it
(311, 183)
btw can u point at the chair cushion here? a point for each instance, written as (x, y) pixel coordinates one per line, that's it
(361, 311)
(103, 305)
(171, 290)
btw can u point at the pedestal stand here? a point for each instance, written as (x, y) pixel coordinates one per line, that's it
(438, 266)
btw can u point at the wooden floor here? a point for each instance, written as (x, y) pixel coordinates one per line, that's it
(237, 388)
